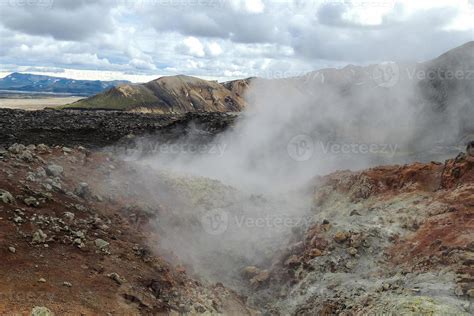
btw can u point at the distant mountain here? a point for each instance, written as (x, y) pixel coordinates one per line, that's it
(39, 83)
(173, 94)
(429, 87)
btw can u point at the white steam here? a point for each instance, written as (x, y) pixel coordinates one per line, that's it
(293, 130)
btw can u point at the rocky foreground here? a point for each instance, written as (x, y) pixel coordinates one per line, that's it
(82, 248)
(388, 240)
(79, 235)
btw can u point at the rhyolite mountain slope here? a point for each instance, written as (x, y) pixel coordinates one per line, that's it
(39, 83)
(173, 94)
(414, 105)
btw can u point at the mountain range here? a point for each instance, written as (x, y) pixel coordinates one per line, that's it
(24, 82)
(443, 80)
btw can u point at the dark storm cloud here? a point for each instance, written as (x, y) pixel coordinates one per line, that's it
(62, 19)
(216, 23)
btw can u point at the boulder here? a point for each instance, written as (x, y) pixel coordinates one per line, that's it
(100, 243)
(39, 236)
(40, 172)
(41, 311)
(42, 148)
(31, 201)
(26, 155)
(82, 190)
(114, 276)
(16, 148)
(54, 170)
(315, 252)
(6, 197)
(341, 236)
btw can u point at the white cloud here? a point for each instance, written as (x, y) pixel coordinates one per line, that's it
(194, 46)
(214, 49)
(249, 6)
(223, 39)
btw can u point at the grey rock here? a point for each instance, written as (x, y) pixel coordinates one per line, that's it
(42, 148)
(16, 148)
(54, 170)
(100, 243)
(352, 251)
(30, 176)
(26, 155)
(78, 242)
(82, 190)
(114, 276)
(31, 201)
(40, 172)
(39, 236)
(6, 197)
(12, 249)
(80, 234)
(69, 216)
(55, 183)
(41, 311)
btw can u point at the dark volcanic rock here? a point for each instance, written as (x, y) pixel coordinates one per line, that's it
(102, 128)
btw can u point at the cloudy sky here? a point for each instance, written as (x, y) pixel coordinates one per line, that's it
(223, 39)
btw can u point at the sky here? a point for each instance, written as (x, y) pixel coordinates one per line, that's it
(222, 39)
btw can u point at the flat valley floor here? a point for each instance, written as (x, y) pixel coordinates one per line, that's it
(35, 103)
